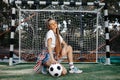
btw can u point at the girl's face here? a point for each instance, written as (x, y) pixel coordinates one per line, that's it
(52, 24)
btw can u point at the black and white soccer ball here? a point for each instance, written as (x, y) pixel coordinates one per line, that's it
(55, 70)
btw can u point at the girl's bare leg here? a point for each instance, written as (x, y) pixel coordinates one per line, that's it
(67, 51)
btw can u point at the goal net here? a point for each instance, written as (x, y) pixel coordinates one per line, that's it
(80, 27)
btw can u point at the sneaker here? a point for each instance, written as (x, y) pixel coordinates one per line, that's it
(75, 70)
(44, 69)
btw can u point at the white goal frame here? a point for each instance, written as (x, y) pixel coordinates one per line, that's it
(97, 11)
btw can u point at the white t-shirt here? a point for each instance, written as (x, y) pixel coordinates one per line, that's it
(50, 34)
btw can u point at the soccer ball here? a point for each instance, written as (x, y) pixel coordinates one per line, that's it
(55, 70)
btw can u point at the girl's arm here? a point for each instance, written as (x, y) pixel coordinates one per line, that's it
(50, 50)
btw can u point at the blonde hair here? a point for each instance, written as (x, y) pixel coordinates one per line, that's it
(47, 22)
(58, 47)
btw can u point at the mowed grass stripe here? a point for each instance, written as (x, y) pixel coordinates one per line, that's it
(90, 72)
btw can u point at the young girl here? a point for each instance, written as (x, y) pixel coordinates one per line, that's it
(57, 48)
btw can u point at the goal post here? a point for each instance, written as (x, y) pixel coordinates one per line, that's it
(82, 31)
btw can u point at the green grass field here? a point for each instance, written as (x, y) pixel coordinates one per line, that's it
(90, 72)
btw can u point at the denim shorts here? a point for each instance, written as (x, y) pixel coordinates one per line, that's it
(47, 57)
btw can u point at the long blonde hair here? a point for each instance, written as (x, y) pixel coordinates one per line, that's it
(58, 47)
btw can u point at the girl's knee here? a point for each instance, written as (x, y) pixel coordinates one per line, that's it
(64, 72)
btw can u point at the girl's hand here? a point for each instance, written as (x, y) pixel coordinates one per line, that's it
(58, 57)
(54, 61)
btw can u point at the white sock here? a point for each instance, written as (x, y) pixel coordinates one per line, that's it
(71, 65)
